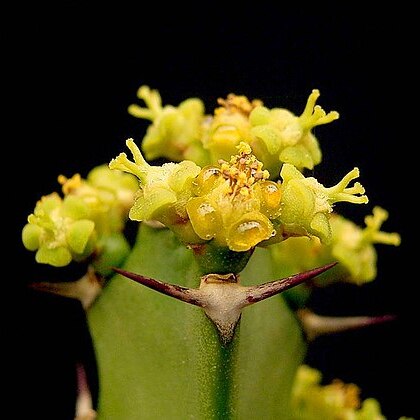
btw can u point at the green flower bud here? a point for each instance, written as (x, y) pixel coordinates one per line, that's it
(111, 251)
(58, 256)
(78, 235)
(31, 235)
(121, 185)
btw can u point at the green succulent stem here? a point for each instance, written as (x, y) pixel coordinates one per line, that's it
(212, 258)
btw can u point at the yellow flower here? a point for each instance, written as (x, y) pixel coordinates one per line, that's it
(229, 126)
(234, 202)
(59, 230)
(275, 135)
(280, 137)
(306, 204)
(175, 132)
(108, 194)
(352, 246)
(163, 190)
(337, 400)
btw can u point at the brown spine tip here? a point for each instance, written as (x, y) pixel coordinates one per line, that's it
(184, 294)
(266, 290)
(315, 325)
(86, 289)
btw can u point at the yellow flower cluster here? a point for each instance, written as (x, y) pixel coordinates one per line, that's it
(351, 245)
(176, 131)
(337, 400)
(234, 203)
(276, 135)
(87, 222)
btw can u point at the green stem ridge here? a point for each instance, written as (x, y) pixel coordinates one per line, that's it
(224, 386)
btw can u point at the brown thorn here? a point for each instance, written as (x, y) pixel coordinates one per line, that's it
(185, 294)
(86, 289)
(84, 406)
(266, 290)
(315, 325)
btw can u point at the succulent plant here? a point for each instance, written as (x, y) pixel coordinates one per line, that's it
(235, 233)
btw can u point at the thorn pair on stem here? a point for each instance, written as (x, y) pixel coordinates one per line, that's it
(222, 297)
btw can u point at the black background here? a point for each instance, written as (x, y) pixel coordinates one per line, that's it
(72, 72)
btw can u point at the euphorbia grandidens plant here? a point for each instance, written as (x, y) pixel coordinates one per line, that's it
(231, 219)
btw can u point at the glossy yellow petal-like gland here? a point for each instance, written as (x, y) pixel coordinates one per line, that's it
(58, 230)
(337, 400)
(306, 204)
(280, 137)
(175, 132)
(238, 224)
(248, 231)
(269, 194)
(205, 217)
(208, 178)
